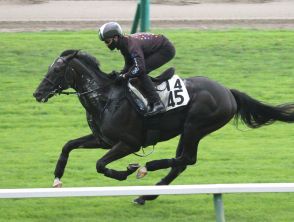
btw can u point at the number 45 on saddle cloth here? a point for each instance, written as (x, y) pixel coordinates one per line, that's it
(172, 92)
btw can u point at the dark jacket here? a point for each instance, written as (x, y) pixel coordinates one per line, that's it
(135, 48)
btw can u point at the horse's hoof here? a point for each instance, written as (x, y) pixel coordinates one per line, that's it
(133, 167)
(57, 183)
(139, 201)
(141, 172)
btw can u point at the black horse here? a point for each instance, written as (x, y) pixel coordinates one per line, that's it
(117, 126)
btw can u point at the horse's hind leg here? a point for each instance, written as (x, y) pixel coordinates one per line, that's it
(205, 116)
(189, 140)
(172, 175)
(186, 153)
(88, 141)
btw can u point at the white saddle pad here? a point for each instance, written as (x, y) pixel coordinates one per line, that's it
(173, 93)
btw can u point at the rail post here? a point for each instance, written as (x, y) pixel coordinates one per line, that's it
(136, 18)
(219, 207)
(143, 15)
(145, 21)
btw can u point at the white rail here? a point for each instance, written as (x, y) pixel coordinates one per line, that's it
(216, 189)
(147, 190)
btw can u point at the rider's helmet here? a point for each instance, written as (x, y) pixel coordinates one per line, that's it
(109, 30)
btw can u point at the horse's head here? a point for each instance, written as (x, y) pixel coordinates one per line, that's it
(56, 78)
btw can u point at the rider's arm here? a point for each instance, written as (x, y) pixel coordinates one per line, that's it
(138, 63)
(127, 66)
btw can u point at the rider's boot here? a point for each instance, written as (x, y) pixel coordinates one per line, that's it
(155, 104)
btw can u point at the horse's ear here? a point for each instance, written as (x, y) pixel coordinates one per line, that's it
(71, 56)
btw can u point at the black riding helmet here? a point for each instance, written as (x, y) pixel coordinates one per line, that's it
(109, 30)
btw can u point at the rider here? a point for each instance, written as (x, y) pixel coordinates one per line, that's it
(143, 53)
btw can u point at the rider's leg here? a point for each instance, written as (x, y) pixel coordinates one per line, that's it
(159, 58)
(155, 104)
(152, 62)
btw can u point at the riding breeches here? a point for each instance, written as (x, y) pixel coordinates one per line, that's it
(160, 57)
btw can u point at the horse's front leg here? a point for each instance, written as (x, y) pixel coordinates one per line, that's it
(118, 151)
(88, 141)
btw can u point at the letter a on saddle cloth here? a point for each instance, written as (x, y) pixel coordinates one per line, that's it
(173, 94)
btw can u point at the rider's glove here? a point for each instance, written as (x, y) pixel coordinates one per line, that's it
(121, 78)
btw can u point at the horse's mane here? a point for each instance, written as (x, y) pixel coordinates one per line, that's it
(87, 59)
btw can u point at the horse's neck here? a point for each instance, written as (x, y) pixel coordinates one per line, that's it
(92, 88)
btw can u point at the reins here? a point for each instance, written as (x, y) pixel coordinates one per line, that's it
(86, 92)
(78, 93)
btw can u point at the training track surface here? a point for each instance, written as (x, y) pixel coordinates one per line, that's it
(76, 15)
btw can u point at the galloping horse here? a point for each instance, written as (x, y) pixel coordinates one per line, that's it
(117, 126)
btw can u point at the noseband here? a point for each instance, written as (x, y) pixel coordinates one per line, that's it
(55, 91)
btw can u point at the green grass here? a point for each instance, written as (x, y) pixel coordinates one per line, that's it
(259, 63)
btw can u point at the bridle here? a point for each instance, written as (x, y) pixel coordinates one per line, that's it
(59, 88)
(54, 92)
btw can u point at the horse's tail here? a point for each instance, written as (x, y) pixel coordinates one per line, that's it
(255, 113)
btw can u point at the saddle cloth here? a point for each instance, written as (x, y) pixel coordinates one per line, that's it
(172, 92)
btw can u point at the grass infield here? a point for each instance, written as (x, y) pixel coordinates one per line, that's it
(259, 63)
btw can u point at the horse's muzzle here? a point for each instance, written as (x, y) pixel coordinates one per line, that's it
(39, 97)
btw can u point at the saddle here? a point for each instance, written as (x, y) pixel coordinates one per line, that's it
(166, 75)
(136, 94)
